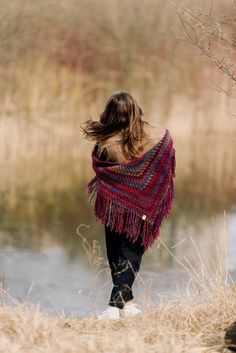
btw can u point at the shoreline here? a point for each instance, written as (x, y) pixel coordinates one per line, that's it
(197, 324)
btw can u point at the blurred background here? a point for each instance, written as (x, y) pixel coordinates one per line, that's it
(59, 63)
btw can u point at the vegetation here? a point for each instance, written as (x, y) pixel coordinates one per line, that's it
(60, 60)
(193, 323)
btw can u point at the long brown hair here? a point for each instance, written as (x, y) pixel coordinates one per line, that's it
(121, 114)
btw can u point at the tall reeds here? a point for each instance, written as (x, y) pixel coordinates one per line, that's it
(59, 62)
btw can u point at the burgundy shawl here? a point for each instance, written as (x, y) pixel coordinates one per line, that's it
(135, 196)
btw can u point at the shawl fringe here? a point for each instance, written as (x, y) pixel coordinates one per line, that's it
(124, 220)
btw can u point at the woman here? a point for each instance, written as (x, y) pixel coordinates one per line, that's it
(134, 163)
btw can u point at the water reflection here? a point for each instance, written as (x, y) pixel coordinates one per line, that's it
(51, 265)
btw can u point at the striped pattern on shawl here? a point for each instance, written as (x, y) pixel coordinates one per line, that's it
(135, 196)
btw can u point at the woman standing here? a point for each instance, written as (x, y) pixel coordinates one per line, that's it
(134, 163)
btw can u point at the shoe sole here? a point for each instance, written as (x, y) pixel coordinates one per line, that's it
(129, 315)
(106, 318)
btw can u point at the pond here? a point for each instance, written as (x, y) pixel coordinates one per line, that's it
(67, 273)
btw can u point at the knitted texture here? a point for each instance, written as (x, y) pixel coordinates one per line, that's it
(135, 196)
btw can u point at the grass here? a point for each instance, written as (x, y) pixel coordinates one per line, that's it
(176, 326)
(194, 324)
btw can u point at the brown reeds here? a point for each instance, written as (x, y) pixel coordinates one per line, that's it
(61, 67)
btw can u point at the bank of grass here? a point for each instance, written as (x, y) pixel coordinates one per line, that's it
(175, 326)
(196, 324)
(193, 323)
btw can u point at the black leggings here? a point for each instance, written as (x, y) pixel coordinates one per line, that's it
(124, 260)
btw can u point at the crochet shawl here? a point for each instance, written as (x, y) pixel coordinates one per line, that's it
(135, 196)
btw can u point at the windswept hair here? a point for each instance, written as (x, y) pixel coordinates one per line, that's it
(121, 114)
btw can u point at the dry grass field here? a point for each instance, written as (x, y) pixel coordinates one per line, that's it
(196, 324)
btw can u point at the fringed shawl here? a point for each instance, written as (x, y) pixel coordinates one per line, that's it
(134, 197)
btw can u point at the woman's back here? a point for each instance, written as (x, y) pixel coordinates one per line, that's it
(112, 148)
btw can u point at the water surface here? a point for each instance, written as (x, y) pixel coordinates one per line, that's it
(51, 266)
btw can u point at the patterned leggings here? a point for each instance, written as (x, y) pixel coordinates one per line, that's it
(124, 260)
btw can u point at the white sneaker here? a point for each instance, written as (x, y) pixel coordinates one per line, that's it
(111, 313)
(131, 310)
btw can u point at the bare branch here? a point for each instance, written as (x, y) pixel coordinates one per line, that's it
(207, 27)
